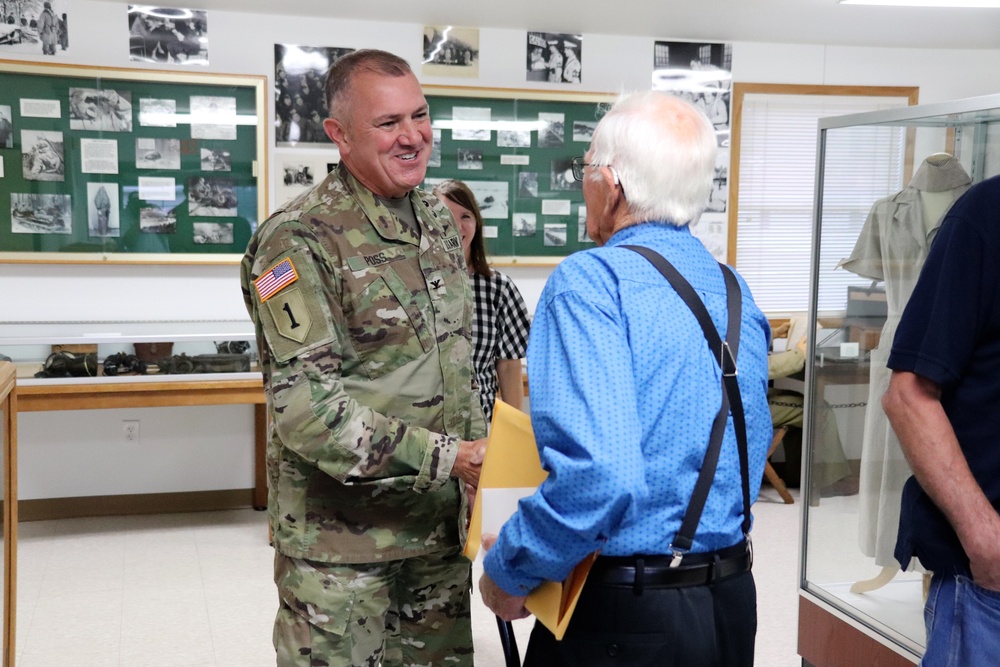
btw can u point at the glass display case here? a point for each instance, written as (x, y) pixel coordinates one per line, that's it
(873, 227)
(48, 353)
(95, 365)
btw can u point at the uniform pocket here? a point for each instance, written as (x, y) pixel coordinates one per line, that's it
(319, 598)
(387, 326)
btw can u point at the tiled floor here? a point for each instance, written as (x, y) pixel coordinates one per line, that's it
(195, 590)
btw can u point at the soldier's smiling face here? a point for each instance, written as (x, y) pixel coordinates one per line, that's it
(385, 134)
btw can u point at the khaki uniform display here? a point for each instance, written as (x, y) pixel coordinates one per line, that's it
(363, 325)
(892, 247)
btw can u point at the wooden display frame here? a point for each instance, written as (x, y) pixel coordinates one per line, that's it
(8, 415)
(204, 234)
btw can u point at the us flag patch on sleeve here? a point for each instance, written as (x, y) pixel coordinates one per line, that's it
(274, 279)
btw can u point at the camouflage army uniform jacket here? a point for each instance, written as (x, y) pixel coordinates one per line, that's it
(364, 339)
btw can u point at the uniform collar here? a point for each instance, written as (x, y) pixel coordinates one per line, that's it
(386, 224)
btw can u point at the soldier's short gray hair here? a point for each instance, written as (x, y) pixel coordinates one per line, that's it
(342, 73)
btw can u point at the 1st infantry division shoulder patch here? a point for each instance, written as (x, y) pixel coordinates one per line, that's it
(276, 278)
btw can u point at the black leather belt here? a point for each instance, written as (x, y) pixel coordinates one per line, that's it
(697, 569)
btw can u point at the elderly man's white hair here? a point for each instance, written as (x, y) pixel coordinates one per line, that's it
(663, 149)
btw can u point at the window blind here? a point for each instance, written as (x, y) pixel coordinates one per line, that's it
(776, 194)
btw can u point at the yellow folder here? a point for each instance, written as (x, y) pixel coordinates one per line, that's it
(512, 462)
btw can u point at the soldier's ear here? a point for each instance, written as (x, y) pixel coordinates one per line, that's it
(335, 130)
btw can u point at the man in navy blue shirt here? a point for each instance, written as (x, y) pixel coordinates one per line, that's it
(944, 403)
(624, 392)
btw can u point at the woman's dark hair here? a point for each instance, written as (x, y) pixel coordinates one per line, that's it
(459, 193)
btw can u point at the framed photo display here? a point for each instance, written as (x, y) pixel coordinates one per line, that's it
(122, 166)
(515, 148)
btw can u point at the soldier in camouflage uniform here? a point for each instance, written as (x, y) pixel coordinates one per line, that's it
(363, 317)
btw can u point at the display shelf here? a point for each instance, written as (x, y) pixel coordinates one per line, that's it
(195, 346)
(98, 331)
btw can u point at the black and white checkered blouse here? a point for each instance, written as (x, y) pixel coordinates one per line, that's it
(499, 331)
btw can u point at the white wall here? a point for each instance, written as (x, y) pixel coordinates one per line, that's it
(55, 463)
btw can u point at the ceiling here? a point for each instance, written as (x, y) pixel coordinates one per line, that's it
(791, 21)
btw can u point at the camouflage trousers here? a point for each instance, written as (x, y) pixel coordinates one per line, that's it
(413, 612)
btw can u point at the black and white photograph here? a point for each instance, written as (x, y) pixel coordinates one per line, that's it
(718, 197)
(435, 159)
(32, 213)
(167, 35)
(450, 51)
(103, 210)
(581, 226)
(158, 153)
(551, 130)
(711, 230)
(492, 197)
(527, 184)
(157, 112)
(211, 197)
(700, 72)
(35, 27)
(562, 175)
(299, 92)
(471, 123)
(583, 130)
(554, 234)
(514, 138)
(555, 57)
(213, 117)
(6, 127)
(722, 157)
(216, 159)
(469, 158)
(42, 156)
(105, 110)
(158, 218)
(298, 174)
(212, 233)
(524, 224)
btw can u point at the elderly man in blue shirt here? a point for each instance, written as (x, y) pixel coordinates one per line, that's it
(624, 395)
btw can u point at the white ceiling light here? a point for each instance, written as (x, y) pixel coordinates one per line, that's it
(949, 4)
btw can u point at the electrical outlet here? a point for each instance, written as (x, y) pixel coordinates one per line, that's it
(131, 429)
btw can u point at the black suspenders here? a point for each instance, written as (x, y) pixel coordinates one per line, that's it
(725, 353)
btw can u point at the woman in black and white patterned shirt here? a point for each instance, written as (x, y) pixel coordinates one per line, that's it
(500, 327)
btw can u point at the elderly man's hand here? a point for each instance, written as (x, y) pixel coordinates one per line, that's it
(508, 607)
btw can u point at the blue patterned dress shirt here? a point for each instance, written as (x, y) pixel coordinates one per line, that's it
(623, 392)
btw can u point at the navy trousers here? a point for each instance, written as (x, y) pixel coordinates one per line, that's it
(699, 626)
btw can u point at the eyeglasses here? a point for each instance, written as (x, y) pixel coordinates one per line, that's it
(578, 165)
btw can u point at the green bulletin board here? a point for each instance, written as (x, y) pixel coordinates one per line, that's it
(514, 148)
(201, 137)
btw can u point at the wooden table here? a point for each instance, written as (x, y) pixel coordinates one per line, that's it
(100, 396)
